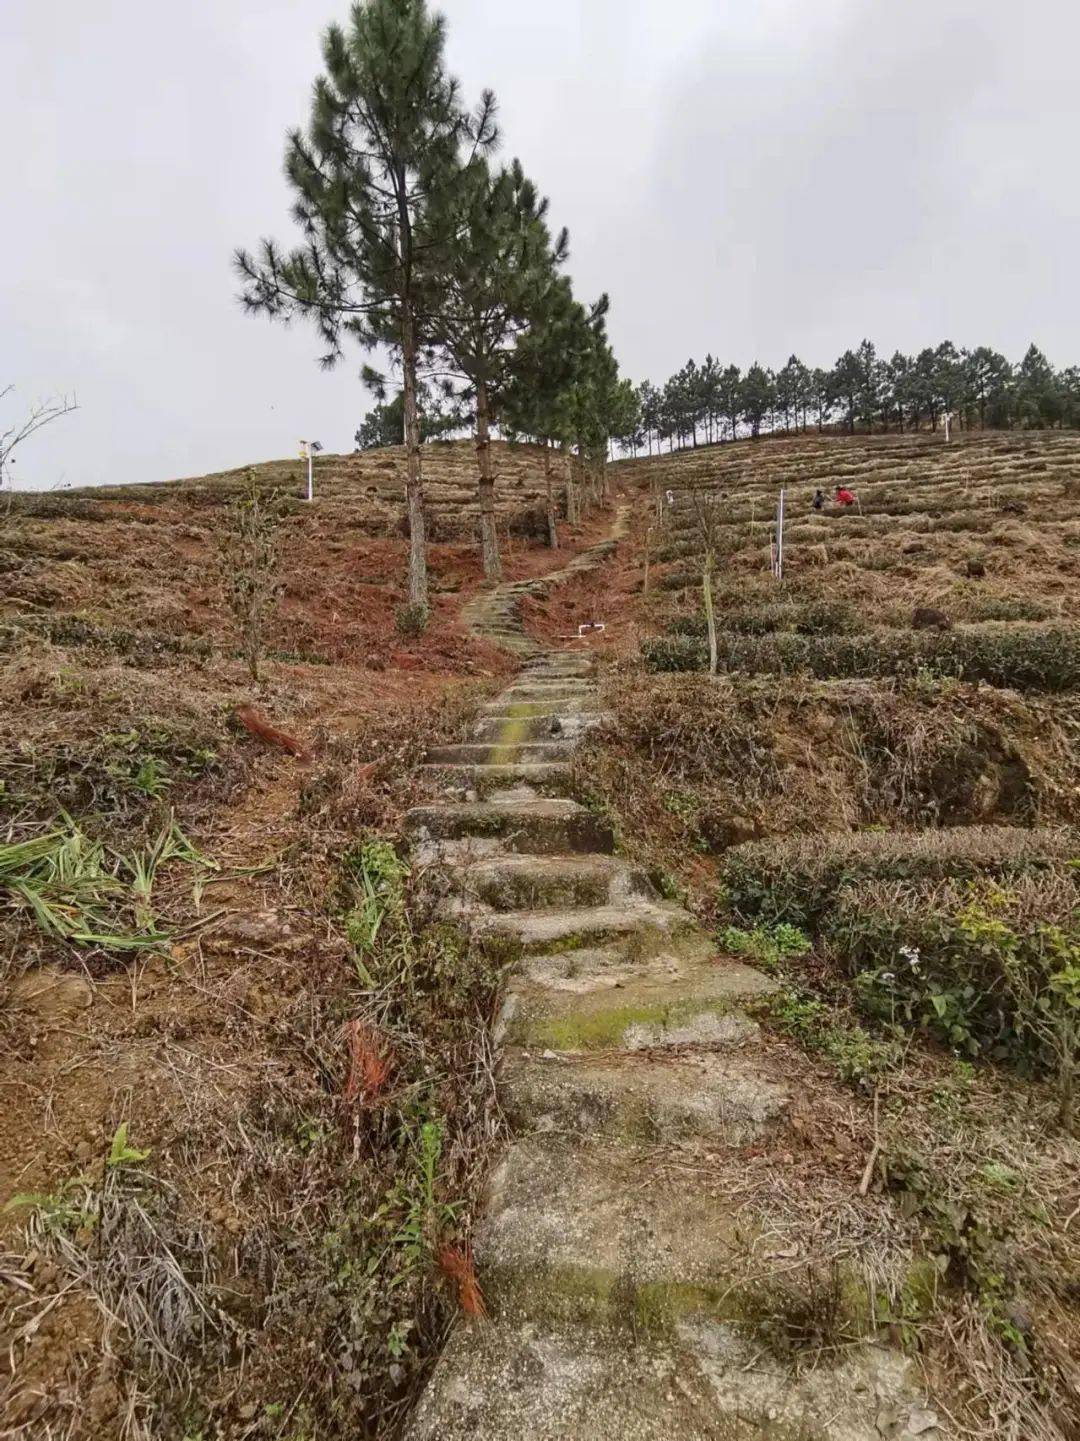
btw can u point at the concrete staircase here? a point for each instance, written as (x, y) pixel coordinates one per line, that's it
(617, 1277)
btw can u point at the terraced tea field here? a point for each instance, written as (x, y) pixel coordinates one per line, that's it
(366, 489)
(986, 528)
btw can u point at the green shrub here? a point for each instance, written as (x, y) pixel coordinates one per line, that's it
(766, 945)
(675, 653)
(1006, 608)
(857, 1056)
(989, 970)
(1038, 658)
(411, 620)
(677, 579)
(691, 625)
(790, 617)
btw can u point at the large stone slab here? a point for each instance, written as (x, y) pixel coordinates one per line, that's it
(635, 1097)
(531, 1382)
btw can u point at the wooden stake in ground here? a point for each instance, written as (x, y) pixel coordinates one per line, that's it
(706, 512)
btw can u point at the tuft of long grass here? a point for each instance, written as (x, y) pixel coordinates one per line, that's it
(79, 891)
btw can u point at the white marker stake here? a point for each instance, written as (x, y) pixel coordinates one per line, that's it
(780, 538)
(948, 426)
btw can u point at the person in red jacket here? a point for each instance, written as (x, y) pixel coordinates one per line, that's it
(844, 496)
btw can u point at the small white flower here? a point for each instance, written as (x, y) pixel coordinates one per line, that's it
(911, 955)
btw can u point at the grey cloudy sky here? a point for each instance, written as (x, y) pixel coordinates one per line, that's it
(749, 177)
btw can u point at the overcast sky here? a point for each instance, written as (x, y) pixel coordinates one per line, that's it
(747, 177)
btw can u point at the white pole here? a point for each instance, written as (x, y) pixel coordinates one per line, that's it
(948, 426)
(310, 475)
(780, 539)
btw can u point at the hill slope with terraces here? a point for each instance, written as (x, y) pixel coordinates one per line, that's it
(985, 528)
(368, 485)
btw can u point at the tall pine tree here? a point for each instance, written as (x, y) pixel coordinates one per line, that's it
(488, 289)
(388, 140)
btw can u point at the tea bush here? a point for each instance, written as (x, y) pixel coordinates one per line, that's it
(766, 945)
(1007, 608)
(789, 617)
(988, 969)
(797, 880)
(1043, 658)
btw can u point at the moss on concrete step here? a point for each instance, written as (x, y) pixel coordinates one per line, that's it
(510, 709)
(611, 998)
(587, 1232)
(538, 827)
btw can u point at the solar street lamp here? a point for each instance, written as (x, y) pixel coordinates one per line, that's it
(308, 451)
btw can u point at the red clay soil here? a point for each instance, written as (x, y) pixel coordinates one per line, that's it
(610, 596)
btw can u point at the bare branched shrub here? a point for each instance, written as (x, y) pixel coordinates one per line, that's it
(251, 559)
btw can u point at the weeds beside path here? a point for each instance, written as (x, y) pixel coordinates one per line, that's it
(306, 1095)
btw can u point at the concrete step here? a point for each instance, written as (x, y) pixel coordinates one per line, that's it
(635, 1097)
(645, 993)
(518, 730)
(587, 1231)
(535, 772)
(535, 709)
(554, 695)
(476, 754)
(529, 1381)
(574, 927)
(517, 883)
(571, 668)
(535, 827)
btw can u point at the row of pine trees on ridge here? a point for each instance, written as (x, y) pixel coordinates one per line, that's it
(711, 402)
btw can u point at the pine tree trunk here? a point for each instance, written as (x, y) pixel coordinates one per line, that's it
(552, 524)
(489, 535)
(573, 510)
(582, 497)
(414, 483)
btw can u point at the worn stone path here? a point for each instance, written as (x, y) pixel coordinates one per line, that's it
(611, 1271)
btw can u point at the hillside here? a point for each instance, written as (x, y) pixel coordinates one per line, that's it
(173, 951)
(924, 509)
(881, 818)
(365, 488)
(714, 1034)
